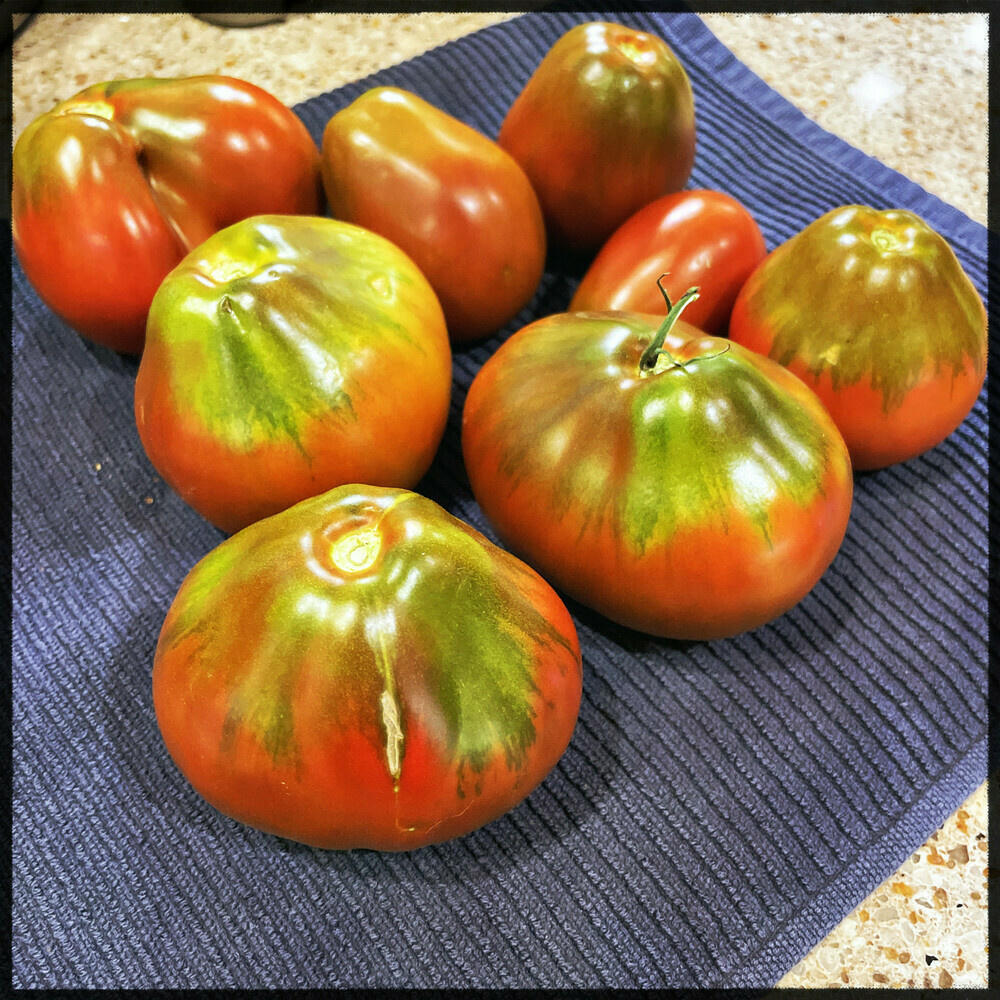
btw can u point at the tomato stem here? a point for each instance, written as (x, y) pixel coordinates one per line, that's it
(656, 348)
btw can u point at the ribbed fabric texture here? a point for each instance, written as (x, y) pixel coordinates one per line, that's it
(721, 806)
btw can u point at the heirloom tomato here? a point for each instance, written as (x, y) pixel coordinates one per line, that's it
(701, 238)
(458, 204)
(287, 355)
(689, 489)
(114, 186)
(873, 311)
(603, 126)
(365, 670)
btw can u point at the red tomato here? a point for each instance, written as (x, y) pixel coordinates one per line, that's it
(452, 199)
(287, 355)
(603, 126)
(113, 187)
(692, 492)
(693, 238)
(365, 670)
(873, 311)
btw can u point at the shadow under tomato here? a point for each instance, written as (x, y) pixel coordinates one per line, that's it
(572, 263)
(630, 640)
(127, 364)
(131, 744)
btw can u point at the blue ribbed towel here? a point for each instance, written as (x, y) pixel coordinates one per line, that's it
(721, 806)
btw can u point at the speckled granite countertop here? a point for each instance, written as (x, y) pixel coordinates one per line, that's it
(910, 90)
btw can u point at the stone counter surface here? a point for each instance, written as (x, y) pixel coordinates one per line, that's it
(908, 89)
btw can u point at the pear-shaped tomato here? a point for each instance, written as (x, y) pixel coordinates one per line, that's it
(287, 355)
(114, 186)
(690, 490)
(458, 204)
(365, 670)
(604, 125)
(689, 238)
(873, 311)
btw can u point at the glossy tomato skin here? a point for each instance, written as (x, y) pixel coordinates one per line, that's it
(457, 203)
(703, 239)
(113, 187)
(694, 501)
(604, 126)
(287, 355)
(873, 311)
(365, 670)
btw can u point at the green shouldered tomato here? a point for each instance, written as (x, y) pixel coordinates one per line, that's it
(114, 186)
(690, 490)
(287, 355)
(604, 126)
(873, 311)
(365, 670)
(457, 203)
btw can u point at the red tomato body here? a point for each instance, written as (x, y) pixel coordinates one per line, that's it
(695, 500)
(113, 187)
(458, 204)
(365, 670)
(703, 239)
(603, 126)
(287, 355)
(873, 311)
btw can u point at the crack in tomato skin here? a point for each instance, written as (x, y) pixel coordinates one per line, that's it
(395, 700)
(394, 736)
